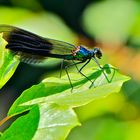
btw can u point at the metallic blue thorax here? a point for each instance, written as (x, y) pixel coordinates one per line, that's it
(83, 54)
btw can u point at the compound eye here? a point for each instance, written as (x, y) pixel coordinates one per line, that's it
(98, 53)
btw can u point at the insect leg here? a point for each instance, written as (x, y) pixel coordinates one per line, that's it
(82, 68)
(112, 75)
(101, 69)
(114, 70)
(61, 67)
(66, 69)
(84, 65)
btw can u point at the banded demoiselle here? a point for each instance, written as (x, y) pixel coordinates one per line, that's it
(32, 48)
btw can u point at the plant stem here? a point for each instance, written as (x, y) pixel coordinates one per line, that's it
(4, 120)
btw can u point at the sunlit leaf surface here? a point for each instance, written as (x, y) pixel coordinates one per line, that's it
(56, 101)
(55, 122)
(8, 63)
(24, 127)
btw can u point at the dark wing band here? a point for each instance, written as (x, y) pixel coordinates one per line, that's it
(33, 47)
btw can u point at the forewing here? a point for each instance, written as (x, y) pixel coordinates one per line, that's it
(60, 47)
(29, 46)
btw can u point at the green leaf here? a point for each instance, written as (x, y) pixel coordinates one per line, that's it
(102, 129)
(3, 43)
(24, 127)
(32, 20)
(55, 122)
(1, 134)
(56, 101)
(8, 63)
(81, 94)
(35, 91)
(106, 25)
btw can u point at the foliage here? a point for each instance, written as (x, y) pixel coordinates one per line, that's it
(8, 63)
(48, 106)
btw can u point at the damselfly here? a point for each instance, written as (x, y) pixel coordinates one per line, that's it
(32, 48)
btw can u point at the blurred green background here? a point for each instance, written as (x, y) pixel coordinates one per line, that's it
(112, 25)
